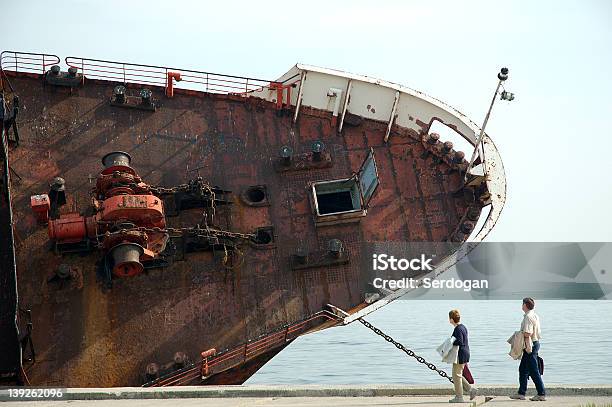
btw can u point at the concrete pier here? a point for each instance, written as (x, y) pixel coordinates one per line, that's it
(307, 396)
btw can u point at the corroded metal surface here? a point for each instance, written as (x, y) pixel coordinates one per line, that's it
(10, 363)
(87, 335)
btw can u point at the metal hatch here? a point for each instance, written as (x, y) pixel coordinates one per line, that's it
(346, 199)
(368, 179)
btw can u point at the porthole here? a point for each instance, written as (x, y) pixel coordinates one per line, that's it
(256, 195)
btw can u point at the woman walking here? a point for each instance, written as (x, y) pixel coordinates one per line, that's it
(460, 333)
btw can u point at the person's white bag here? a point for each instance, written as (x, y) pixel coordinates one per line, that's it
(448, 351)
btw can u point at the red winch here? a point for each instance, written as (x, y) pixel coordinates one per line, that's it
(127, 221)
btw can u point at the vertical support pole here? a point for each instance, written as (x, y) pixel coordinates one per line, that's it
(484, 124)
(337, 95)
(279, 96)
(169, 84)
(205, 365)
(298, 102)
(392, 118)
(349, 86)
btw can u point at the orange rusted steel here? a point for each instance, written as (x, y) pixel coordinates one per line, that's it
(171, 77)
(205, 355)
(143, 209)
(281, 100)
(40, 205)
(120, 196)
(70, 228)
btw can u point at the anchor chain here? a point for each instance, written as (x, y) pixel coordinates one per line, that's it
(401, 347)
(196, 185)
(177, 232)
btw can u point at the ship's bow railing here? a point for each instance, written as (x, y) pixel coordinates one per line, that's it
(213, 363)
(165, 76)
(147, 75)
(27, 62)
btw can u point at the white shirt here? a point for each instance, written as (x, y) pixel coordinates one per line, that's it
(531, 325)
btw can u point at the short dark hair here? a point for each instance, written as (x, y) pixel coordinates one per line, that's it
(454, 315)
(529, 302)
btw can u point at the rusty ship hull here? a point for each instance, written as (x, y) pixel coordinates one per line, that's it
(84, 332)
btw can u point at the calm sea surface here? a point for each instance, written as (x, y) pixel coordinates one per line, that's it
(576, 345)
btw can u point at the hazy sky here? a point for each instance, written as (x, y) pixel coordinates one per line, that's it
(555, 138)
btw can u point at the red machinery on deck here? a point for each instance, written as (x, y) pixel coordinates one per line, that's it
(122, 206)
(127, 219)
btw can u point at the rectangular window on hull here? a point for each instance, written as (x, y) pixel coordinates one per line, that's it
(347, 199)
(337, 196)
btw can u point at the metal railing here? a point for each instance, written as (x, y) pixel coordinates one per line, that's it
(29, 62)
(148, 75)
(158, 76)
(214, 364)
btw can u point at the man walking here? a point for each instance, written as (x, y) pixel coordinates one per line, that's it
(530, 328)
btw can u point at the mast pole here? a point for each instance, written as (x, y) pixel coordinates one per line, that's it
(502, 76)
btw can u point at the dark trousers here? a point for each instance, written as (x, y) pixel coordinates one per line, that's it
(529, 367)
